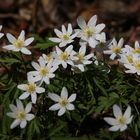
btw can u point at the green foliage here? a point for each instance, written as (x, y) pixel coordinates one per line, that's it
(98, 89)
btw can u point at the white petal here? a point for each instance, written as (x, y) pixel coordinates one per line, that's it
(61, 111)
(46, 80)
(137, 44)
(70, 107)
(28, 108)
(69, 29)
(82, 49)
(23, 124)
(24, 95)
(99, 27)
(25, 51)
(127, 113)
(28, 41)
(13, 107)
(22, 35)
(19, 104)
(40, 90)
(62, 44)
(112, 56)
(74, 35)
(107, 52)
(54, 97)
(114, 128)
(69, 49)
(92, 20)
(15, 123)
(35, 65)
(123, 128)
(72, 98)
(11, 38)
(129, 120)
(9, 47)
(55, 107)
(1, 35)
(81, 22)
(81, 67)
(86, 62)
(117, 111)
(58, 33)
(92, 42)
(29, 117)
(110, 120)
(121, 41)
(58, 50)
(64, 64)
(89, 56)
(33, 98)
(11, 114)
(54, 39)
(64, 29)
(64, 93)
(22, 87)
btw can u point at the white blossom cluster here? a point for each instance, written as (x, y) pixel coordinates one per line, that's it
(64, 56)
(128, 56)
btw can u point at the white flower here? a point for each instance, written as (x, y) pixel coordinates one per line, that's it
(120, 121)
(101, 37)
(20, 114)
(81, 59)
(63, 102)
(48, 58)
(1, 34)
(89, 32)
(115, 48)
(133, 67)
(31, 89)
(65, 37)
(64, 58)
(43, 72)
(19, 44)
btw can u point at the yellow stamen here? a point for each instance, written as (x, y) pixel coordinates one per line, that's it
(20, 115)
(116, 49)
(18, 43)
(80, 57)
(63, 102)
(121, 120)
(65, 37)
(136, 50)
(31, 87)
(88, 32)
(43, 71)
(129, 58)
(137, 64)
(63, 56)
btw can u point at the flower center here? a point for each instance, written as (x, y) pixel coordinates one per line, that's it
(20, 115)
(136, 50)
(116, 49)
(121, 120)
(129, 58)
(88, 32)
(63, 56)
(43, 71)
(63, 102)
(65, 37)
(80, 57)
(137, 64)
(48, 57)
(31, 87)
(18, 43)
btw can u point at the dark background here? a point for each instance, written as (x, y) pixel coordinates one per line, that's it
(122, 17)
